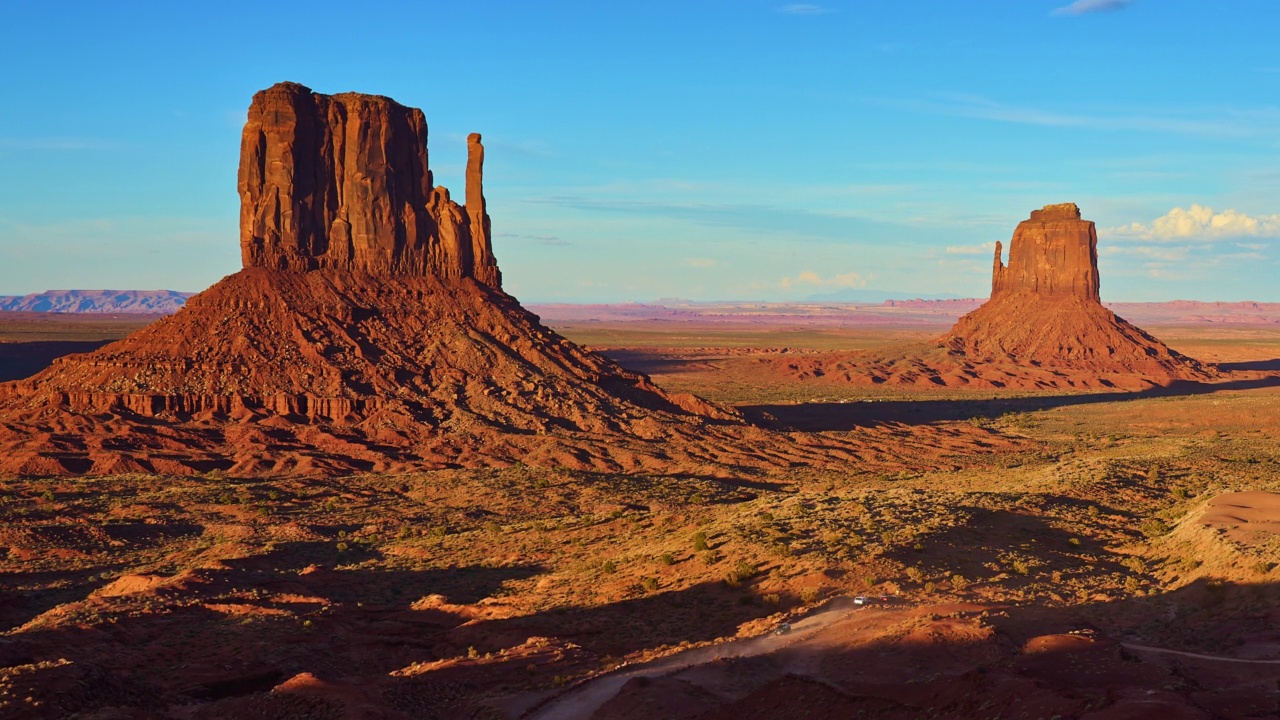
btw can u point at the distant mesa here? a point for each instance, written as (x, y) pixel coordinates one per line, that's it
(126, 302)
(1043, 327)
(367, 332)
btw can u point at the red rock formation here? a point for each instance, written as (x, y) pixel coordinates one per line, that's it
(342, 181)
(1045, 309)
(1052, 254)
(367, 331)
(1044, 327)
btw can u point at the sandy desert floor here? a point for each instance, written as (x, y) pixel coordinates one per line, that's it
(1088, 556)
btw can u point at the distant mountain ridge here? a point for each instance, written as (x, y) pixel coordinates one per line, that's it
(138, 302)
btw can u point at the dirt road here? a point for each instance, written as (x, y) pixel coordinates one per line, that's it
(583, 701)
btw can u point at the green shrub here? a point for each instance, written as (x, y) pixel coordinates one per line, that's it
(1154, 527)
(700, 541)
(609, 567)
(667, 559)
(649, 584)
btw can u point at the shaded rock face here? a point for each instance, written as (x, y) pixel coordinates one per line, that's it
(342, 182)
(1054, 253)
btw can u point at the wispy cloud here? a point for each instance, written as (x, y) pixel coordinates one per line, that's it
(811, 278)
(979, 249)
(553, 240)
(804, 9)
(700, 262)
(1217, 122)
(1081, 7)
(53, 143)
(1199, 222)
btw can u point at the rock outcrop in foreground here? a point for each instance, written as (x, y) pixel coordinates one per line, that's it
(1044, 327)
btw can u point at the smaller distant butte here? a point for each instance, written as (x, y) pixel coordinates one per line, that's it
(1044, 327)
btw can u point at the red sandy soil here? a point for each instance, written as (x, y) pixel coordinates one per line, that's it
(1251, 517)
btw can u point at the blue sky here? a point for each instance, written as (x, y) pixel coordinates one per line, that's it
(697, 149)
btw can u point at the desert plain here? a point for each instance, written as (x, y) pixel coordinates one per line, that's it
(1097, 554)
(358, 479)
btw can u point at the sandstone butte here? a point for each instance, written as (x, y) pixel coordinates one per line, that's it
(1043, 327)
(367, 331)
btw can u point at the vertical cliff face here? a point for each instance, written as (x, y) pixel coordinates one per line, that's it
(1052, 254)
(342, 181)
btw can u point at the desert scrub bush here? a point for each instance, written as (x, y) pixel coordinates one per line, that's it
(740, 573)
(608, 567)
(667, 559)
(771, 599)
(1020, 566)
(810, 595)
(1262, 567)
(493, 528)
(1181, 493)
(915, 574)
(700, 542)
(1073, 542)
(1134, 564)
(649, 584)
(1154, 527)
(959, 582)
(930, 586)
(780, 550)
(1132, 585)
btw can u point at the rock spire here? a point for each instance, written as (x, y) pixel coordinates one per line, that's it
(342, 181)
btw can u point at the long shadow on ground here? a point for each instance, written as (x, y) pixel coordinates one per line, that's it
(839, 416)
(24, 359)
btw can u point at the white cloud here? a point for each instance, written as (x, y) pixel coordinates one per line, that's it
(803, 9)
(1080, 7)
(700, 262)
(809, 277)
(1201, 223)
